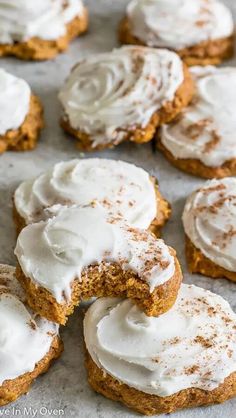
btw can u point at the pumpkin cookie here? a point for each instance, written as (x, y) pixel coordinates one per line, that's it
(147, 88)
(209, 224)
(201, 141)
(42, 31)
(182, 359)
(200, 31)
(21, 114)
(84, 252)
(121, 188)
(28, 342)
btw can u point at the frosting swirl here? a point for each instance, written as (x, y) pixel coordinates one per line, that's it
(193, 345)
(209, 220)
(206, 129)
(120, 187)
(179, 23)
(14, 101)
(25, 338)
(81, 236)
(110, 93)
(21, 20)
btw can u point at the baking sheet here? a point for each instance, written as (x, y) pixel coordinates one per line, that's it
(64, 390)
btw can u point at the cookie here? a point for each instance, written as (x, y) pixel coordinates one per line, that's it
(209, 224)
(84, 252)
(21, 114)
(123, 95)
(28, 343)
(41, 32)
(182, 359)
(120, 187)
(200, 31)
(201, 141)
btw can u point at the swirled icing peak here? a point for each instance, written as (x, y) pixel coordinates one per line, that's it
(210, 221)
(14, 101)
(110, 93)
(120, 187)
(177, 24)
(206, 129)
(55, 252)
(193, 345)
(25, 338)
(21, 20)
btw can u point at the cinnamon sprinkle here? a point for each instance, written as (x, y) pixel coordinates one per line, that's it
(215, 139)
(191, 370)
(196, 129)
(200, 23)
(206, 343)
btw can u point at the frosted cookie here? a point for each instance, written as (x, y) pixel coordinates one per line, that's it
(28, 342)
(200, 31)
(209, 220)
(21, 114)
(182, 359)
(121, 188)
(84, 252)
(39, 30)
(123, 95)
(201, 141)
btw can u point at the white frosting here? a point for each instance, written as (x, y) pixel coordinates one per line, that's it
(206, 129)
(110, 93)
(193, 345)
(25, 338)
(55, 252)
(179, 23)
(21, 20)
(120, 187)
(14, 101)
(210, 221)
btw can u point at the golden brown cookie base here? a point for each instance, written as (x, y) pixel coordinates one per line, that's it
(25, 138)
(211, 52)
(18, 220)
(100, 281)
(197, 168)
(38, 49)
(140, 135)
(163, 214)
(198, 263)
(147, 404)
(11, 390)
